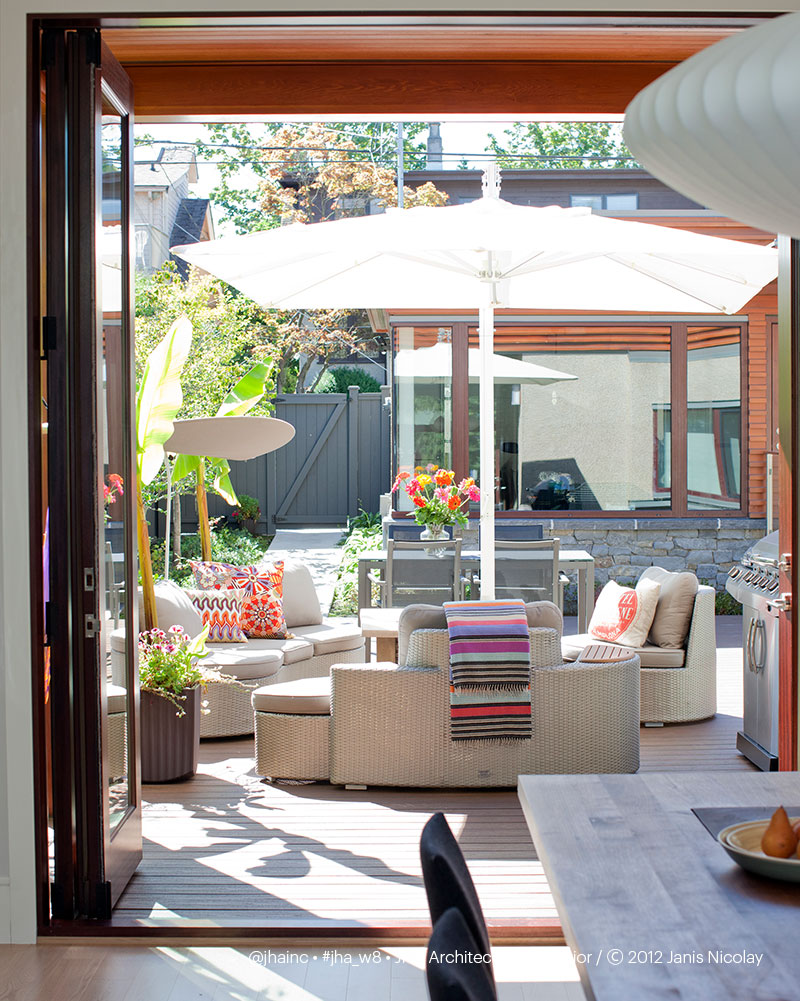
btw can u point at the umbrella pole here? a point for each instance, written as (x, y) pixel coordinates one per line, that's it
(486, 348)
(167, 539)
(202, 513)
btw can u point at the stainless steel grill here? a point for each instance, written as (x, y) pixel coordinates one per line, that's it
(755, 583)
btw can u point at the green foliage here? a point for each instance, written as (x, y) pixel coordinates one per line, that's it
(724, 603)
(562, 146)
(228, 545)
(248, 509)
(168, 662)
(340, 378)
(360, 540)
(368, 521)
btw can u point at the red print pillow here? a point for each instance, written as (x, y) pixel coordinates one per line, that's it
(262, 609)
(624, 615)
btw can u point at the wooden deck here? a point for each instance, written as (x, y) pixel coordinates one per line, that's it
(227, 850)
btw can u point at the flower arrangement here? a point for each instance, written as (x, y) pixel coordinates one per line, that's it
(167, 664)
(112, 489)
(437, 499)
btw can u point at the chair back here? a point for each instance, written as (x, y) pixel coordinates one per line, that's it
(527, 570)
(450, 974)
(447, 879)
(409, 531)
(422, 572)
(506, 531)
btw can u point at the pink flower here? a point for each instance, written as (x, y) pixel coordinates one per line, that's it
(441, 494)
(473, 493)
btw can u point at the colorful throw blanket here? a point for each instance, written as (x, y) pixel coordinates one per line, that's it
(490, 657)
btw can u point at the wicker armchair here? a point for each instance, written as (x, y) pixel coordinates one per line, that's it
(390, 725)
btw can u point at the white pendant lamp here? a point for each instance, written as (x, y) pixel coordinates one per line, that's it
(723, 127)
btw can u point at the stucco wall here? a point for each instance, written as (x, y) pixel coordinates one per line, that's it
(17, 891)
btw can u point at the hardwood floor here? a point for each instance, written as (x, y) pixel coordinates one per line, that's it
(229, 851)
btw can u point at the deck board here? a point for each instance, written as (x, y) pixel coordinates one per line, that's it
(226, 849)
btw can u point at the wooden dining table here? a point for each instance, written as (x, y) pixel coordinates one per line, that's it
(568, 560)
(651, 905)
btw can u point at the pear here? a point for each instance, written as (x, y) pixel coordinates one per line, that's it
(779, 840)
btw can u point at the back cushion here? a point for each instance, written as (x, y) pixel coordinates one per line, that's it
(300, 602)
(540, 614)
(675, 606)
(174, 608)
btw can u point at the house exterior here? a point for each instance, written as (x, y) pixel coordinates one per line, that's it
(593, 458)
(266, 88)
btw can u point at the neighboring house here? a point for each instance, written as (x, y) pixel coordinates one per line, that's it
(165, 214)
(600, 448)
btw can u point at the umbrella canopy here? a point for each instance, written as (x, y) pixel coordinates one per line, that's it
(434, 364)
(484, 254)
(237, 438)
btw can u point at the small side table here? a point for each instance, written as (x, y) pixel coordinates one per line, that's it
(605, 653)
(383, 624)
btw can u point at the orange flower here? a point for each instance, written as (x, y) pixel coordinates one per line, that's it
(444, 477)
(419, 501)
(454, 503)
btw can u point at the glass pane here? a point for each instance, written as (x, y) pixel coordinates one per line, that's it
(713, 457)
(581, 417)
(112, 431)
(423, 376)
(623, 201)
(588, 201)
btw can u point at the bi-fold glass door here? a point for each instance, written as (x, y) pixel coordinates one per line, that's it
(91, 566)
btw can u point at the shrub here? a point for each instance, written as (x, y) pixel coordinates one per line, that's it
(360, 540)
(339, 380)
(228, 545)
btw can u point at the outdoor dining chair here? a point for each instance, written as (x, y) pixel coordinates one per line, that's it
(451, 975)
(428, 572)
(520, 572)
(448, 882)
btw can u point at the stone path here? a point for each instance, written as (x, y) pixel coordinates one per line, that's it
(316, 547)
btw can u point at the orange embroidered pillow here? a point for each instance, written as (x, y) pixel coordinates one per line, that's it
(623, 614)
(262, 609)
(221, 611)
(211, 575)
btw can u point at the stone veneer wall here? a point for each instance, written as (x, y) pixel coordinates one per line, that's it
(622, 547)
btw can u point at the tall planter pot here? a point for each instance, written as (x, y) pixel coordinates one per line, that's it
(170, 743)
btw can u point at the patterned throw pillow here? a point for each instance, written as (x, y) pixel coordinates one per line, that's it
(211, 576)
(624, 615)
(221, 611)
(262, 610)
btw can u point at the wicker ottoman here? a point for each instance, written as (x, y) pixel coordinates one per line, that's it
(292, 724)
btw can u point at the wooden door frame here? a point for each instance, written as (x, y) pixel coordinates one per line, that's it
(35, 23)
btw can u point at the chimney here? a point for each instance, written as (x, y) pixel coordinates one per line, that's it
(433, 159)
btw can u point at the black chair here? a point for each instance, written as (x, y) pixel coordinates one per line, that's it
(447, 879)
(456, 969)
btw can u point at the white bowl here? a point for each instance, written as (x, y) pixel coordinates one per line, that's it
(743, 843)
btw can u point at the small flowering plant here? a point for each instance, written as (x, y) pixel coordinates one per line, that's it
(112, 488)
(437, 498)
(168, 664)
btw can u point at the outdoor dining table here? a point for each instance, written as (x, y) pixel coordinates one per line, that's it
(568, 560)
(650, 904)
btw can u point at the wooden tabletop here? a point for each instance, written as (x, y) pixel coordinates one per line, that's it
(649, 900)
(380, 622)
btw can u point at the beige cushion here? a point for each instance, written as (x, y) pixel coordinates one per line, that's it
(675, 606)
(306, 697)
(173, 607)
(300, 602)
(541, 615)
(650, 656)
(245, 661)
(331, 638)
(117, 699)
(624, 615)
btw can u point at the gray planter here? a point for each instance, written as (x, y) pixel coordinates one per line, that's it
(170, 743)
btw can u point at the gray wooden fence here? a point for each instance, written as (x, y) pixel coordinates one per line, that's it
(338, 461)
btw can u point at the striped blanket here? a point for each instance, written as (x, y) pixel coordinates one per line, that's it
(490, 656)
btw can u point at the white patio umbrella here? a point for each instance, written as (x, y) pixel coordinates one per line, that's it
(485, 254)
(434, 364)
(235, 437)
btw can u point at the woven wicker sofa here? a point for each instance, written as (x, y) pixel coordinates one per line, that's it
(390, 723)
(680, 685)
(315, 644)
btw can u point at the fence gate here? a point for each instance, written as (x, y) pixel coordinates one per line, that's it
(338, 461)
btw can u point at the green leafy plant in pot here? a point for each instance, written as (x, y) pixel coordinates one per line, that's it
(170, 680)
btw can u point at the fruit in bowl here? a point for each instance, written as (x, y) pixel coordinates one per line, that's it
(780, 838)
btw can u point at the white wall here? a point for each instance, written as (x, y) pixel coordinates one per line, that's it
(17, 902)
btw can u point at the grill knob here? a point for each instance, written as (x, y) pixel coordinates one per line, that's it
(734, 572)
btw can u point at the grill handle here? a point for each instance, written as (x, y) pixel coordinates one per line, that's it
(760, 633)
(749, 645)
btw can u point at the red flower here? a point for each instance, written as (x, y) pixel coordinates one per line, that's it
(419, 501)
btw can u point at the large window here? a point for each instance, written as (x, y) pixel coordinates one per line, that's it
(594, 417)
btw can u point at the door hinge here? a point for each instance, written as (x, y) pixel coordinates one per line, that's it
(91, 626)
(49, 336)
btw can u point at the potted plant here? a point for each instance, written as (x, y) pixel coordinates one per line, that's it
(438, 501)
(170, 681)
(247, 513)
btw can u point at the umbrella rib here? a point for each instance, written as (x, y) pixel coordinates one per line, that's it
(463, 268)
(687, 263)
(322, 281)
(633, 266)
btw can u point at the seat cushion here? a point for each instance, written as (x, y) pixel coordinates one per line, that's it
(245, 661)
(649, 655)
(675, 606)
(117, 698)
(306, 697)
(330, 637)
